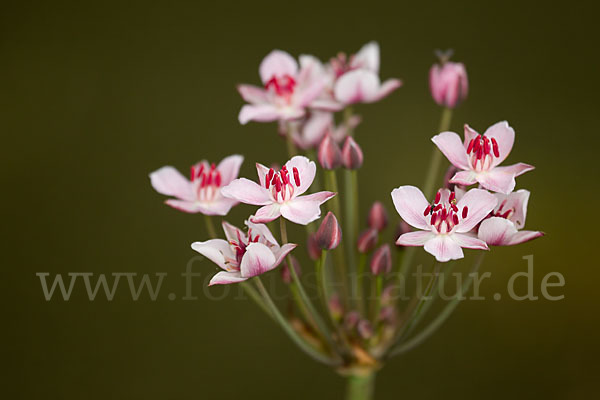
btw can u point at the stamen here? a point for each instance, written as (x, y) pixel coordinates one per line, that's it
(452, 197)
(427, 210)
(433, 219)
(465, 210)
(296, 176)
(495, 146)
(470, 147)
(218, 179)
(438, 196)
(455, 219)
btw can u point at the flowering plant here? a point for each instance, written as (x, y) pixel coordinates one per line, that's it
(344, 325)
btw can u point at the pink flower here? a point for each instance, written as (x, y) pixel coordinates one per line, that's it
(479, 156)
(448, 83)
(242, 255)
(307, 133)
(279, 193)
(201, 194)
(358, 79)
(503, 226)
(286, 93)
(445, 223)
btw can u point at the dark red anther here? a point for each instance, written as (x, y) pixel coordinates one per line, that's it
(212, 166)
(296, 176)
(480, 153)
(471, 143)
(284, 176)
(200, 170)
(495, 146)
(465, 211)
(438, 196)
(452, 197)
(218, 179)
(476, 144)
(277, 183)
(444, 214)
(455, 219)
(192, 173)
(209, 179)
(437, 208)
(203, 181)
(427, 210)
(433, 219)
(486, 146)
(454, 208)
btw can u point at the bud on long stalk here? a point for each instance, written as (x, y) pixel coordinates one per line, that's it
(330, 155)
(329, 234)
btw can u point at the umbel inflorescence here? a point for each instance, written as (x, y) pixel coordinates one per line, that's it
(352, 326)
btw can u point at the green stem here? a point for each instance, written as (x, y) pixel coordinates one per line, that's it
(210, 227)
(362, 263)
(351, 219)
(442, 316)
(360, 387)
(378, 290)
(436, 156)
(307, 348)
(289, 141)
(310, 308)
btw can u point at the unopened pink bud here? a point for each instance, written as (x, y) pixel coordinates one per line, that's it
(330, 155)
(364, 328)
(448, 83)
(314, 251)
(286, 275)
(329, 234)
(388, 315)
(378, 216)
(402, 228)
(367, 240)
(352, 155)
(381, 262)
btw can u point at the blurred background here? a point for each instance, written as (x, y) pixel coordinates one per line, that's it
(95, 95)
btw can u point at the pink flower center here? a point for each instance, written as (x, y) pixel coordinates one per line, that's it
(239, 247)
(282, 85)
(502, 212)
(444, 214)
(208, 181)
(481, 151)
(282, 183)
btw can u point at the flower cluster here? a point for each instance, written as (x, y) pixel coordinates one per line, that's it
(312, 104)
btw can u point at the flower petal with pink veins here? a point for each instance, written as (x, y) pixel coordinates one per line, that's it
(246, 191)
(386, 88)
(465, 178)
(479, 204)
(306, 171)
(168, 181)
(263, 231)
(259, 113)
(417, 238)
(470, 134)
(266, 214)
(497, 180)
(496, 231)
(277, 64)
(524, 236)
(357, 86)
(410, 203)
(505, 136)
(367, 57)
(315, 128)
(518, 202)
(469, 242)
(216, 250)
(443, 248)
(308, 94)
(257, 260)
(452, 147)
(253, 94)
(516, 169)
(225, 278)
(262, 172)
(282, 252)
(232, 232)
(305, 209)
(229, 168)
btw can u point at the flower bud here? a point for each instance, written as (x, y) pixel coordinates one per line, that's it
(448, 82)
(335, 307)
(402, 228)
(329, 156)
(381, 262)
(367, 240)
(388, 295)
(364, 328)
(378, 216)
(286, 276)
(314, 251)
(329, 234)
(388, 315)
(352, 155)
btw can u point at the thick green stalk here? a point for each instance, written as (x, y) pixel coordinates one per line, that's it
(210, 227)
(436, 156)
(442, 316)
(360, 297)
(351, 220)
(360, 387)
(289, 141)
(306, 347)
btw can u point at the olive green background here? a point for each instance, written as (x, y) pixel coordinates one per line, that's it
(95, 95)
